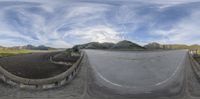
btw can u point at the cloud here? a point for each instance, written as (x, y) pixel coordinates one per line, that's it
(95, 33)
(65, 23)
(186, 31)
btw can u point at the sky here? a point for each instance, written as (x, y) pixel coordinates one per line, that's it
(64, 23)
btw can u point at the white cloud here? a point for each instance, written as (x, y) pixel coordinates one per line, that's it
(103, 22)
(45, 25)
(170, 1)
(81, 10)
(58, 44)
(96, 33)
(186, 31)
(159, 1)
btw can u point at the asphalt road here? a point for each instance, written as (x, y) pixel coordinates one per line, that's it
(124, 75)
(34, 66)
(136, 73)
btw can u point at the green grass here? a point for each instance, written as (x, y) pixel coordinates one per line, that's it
(12, 52)
(198, 52)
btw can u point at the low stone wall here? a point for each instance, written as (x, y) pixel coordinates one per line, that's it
(195, 66)
(46, 83)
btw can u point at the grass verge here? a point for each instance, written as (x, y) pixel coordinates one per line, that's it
(12, 52)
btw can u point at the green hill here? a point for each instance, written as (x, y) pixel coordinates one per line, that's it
(122, 45)
(155, 45)
(127, 45)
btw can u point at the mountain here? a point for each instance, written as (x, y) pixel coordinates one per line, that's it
(107, 45)
(155, 45)
(31, 47)
(91, 45)
(27, 47)
(40, 47)
(127, 45)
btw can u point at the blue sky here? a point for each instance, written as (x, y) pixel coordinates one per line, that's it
(64, 23)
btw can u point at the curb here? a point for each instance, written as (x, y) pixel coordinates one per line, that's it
(195, 66)
(45, 83)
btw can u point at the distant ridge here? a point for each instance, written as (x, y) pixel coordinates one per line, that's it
(122, 45)
(29, 47)
(125, 44)
(156, 45)
(41, 47)
(128, 45)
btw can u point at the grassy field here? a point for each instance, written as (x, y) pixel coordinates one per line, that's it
(197, 51)
(12, 52)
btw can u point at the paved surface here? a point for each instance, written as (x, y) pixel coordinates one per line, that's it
(34, 66)
(123, 75)
(135, 72)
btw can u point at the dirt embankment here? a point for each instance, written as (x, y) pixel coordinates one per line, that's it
(33, 66)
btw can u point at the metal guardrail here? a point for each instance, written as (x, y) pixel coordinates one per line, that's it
(45, 83)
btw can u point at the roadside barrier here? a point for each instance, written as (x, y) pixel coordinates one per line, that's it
(45, 83)
(195, 66)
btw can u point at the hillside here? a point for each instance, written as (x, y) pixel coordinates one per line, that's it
(31, 47)
(122, 45)
(155, 45)
(4, 52)
(127, 45)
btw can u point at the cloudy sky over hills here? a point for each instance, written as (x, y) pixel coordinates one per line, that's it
(63, 23)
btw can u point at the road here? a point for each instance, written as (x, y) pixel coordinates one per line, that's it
(123, 75)
(135, 70)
